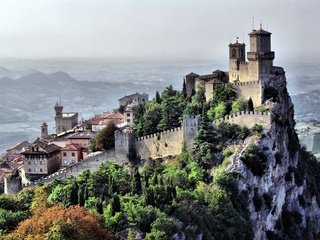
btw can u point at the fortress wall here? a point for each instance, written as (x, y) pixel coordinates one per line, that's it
(12, 186)
(160, 145)
(123, 144)
(248, 119)
(249, 89)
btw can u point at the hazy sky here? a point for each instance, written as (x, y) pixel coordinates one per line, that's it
(153, 28)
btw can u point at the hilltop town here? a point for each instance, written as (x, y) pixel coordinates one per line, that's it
(69, 144)
(219, 159)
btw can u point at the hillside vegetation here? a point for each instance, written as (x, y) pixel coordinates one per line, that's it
(184, 197)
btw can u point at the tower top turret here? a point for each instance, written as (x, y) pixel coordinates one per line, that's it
(58, 109)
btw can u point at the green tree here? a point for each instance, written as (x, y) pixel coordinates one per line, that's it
(151, 118)
(104, 139)
(238, 106)
(158, 98)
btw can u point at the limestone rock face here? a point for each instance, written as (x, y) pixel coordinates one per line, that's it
(277, 192)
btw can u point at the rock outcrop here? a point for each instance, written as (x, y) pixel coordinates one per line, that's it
(280, 203)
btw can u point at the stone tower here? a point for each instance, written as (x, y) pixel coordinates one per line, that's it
(44, 130)
(58, 109)
(260, 56)
(237, 56)
(59, 117)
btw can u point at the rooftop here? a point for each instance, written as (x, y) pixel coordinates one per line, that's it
(82, 135)
(70, 114)
(71, 147)
(259, 32)
(41, 147)
(134, 96)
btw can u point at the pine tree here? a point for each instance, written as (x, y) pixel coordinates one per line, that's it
(158, 98)
(136, 182)
(81, 196)
(115, 204)
(184, 89)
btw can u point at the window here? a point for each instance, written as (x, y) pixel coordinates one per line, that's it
(233, 53)
(128, 114)
(40, 162)
(29, 163)
(40, 169)
(64, 154)
(29, 169)
(73, 154)
(128, 120)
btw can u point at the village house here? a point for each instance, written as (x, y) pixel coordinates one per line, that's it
(101, 121)
(71, 154)
(82, 138)
(139, 97)
(41, 159)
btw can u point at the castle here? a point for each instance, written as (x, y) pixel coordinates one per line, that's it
(250, 78)
(64, 121)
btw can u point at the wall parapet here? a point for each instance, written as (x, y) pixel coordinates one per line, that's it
(247, 118)
(155, 136)
(246, 83)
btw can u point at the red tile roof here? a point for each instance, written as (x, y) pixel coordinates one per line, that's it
(71, 147)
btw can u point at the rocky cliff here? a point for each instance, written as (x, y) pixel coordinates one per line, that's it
(281, 203)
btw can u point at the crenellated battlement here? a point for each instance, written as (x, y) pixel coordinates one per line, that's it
(160, 144)
(247, 119)
(243, 83)
(158, 134)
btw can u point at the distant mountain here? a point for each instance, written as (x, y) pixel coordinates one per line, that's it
(14, 74)
(29, 100)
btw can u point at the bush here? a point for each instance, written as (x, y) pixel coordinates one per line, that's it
(257, 128)
(255, 160)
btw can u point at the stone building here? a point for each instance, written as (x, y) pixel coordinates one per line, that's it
(71, 154)
(247, 78)
(41, 159)
(139, 97)
(82, 138)
(64, 121)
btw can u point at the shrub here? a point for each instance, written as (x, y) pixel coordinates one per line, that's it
(257, 128)
(255, 160)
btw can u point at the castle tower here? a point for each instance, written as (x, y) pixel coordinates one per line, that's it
(58, 109)
(237, 56)
(260, 56)
(44, 130)
(59, 117)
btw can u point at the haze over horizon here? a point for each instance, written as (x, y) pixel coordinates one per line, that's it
(153, 29)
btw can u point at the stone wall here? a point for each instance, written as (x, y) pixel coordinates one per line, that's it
(249, 89)
(160, 144)
(12, 186)
(157, 145)
(247, 119)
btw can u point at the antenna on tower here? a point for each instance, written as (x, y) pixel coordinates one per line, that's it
(252, 23)
(267, 25)
(260, 24)
(242, 37)
(60, 100)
